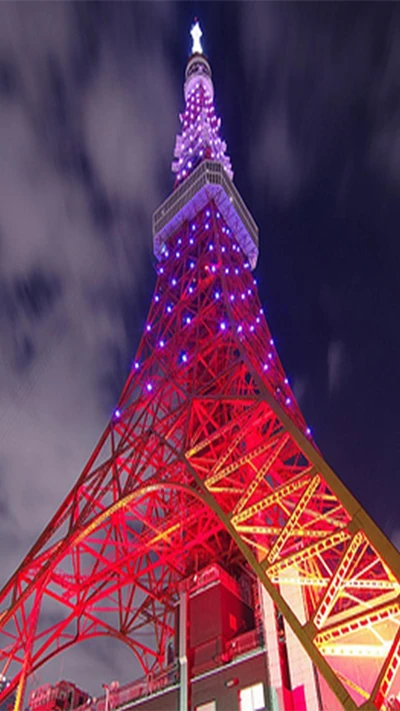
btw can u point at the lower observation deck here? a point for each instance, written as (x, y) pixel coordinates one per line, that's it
(207, 182)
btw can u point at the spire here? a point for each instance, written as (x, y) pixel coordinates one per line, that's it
(196, 37)
(200, 138)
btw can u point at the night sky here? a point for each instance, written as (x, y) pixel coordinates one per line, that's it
(309, 96)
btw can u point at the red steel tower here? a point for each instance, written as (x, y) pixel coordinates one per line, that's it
(207, 459)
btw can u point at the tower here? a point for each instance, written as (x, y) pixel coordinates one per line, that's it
(207, 459)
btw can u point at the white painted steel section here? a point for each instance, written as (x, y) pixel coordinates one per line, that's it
(183, 660)
(301, 669)
(271, 643)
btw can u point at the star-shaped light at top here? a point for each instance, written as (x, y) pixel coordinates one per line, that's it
(196, 36)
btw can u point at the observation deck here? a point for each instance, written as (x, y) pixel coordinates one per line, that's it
(207, 182)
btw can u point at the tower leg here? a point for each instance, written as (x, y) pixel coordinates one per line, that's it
(26, 665)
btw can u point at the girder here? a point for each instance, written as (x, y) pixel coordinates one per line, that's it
(208, 446)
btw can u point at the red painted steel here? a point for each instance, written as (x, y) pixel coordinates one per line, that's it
(207, 459)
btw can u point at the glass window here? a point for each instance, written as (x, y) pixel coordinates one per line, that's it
(252, 698)
(208, 706)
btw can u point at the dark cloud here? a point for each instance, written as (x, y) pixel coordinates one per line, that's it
(80, 149)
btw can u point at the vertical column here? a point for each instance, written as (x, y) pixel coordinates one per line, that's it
(183, 660)
(271, 642)
(302, 674)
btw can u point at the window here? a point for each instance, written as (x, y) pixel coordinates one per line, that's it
(252, 698)
(208, 706)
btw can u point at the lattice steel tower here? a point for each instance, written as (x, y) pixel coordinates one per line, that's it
(207, 458)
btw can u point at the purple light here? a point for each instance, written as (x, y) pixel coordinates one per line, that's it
(191, 265)
(217, 295)
(271, 342)
(177, 255)
(149, 387)
(161, 270)
(265, 366)
(137, 365)
(213, 268)
(236, 271)
(117, 413)
(243, 296)
(191, 241)
(232, 297)
(286, 381)
(288, 401)
(210, 247)
(184, 358)
(156, 298)
(239, 329)
(308, 431)
(258, 319)
(269, 355)
(173, 282)
(169, 309)
(226, 270)
(193, 227)
(188, 319)
(161, 344)
(148, 327)
(252, 328)
(223, 249)
(222, 326)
